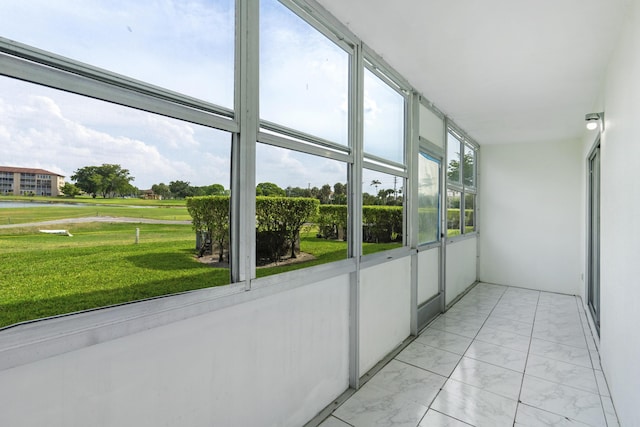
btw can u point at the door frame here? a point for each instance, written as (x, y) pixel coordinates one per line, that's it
(593, 234)
(429, 309)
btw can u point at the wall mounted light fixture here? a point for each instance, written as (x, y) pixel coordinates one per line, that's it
(594, 120)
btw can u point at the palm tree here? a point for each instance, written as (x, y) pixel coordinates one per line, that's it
(375, 183)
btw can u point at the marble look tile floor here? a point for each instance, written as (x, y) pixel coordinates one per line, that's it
(502, 356)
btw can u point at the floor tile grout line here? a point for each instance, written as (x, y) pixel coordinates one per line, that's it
(472, 339)
(604, 413)
(564, 384)
(421, 368)
(340, 419)
(438, 348)
(560, 343)
(559, 360)
(493, 364)
(482, 319)
(553, 413)
(526, 362)
(446, 415)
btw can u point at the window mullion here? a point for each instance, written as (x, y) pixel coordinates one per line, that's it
(243, 203)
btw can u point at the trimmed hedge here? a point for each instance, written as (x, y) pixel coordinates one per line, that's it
(278, 222)
(210, 214)
(380, 224)
(332, 222)
(453, 218)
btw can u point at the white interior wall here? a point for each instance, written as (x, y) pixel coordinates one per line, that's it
(531, 215)
(620, 223)
(428, 274)
(461, 267)
(276, 360)
(385, 310)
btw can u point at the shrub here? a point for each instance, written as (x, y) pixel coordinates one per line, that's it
(211, 214)
(381, 224)
(278, 222)
(332, 222)
(281, 218)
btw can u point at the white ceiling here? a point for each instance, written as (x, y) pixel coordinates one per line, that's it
(506, 71)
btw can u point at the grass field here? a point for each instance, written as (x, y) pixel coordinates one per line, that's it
(43, 275)
(169, 211)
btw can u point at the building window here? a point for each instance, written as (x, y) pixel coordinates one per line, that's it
(302, 152)
(384, 119)
(301, 210)
(107, 152)
(384, 173)
(461, 184)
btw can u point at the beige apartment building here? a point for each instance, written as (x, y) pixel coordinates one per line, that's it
(29, 181)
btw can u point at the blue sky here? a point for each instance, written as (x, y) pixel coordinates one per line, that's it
(185, 46)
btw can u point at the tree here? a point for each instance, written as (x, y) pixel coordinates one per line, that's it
(453, 169)
(369, 200)
(269, 189)
(215, 190)
(339, 193)
(106, 180)
(70, 190)
(128, 190)
(314, 192)
(339, 189)
(181, 189)
(161, 190)
(115, 180)
(88, 180)
(385, 195)
(297, 192)
(325, 194)
(375, 183)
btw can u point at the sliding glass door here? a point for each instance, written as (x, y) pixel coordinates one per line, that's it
(593, 283)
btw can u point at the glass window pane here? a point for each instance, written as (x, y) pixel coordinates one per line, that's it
(428, 199)
(469, 166)
(139, 166)
(453, 213)
(453, 159)
(305, 204)
(469, 213)
(304, 77)
(187, 47)
(383, 119)
(382, 211)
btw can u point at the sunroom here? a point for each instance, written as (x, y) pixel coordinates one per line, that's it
(463, 211)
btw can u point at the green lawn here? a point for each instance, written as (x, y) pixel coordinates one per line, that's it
(91, 201)
(46, 213)
(43, 275)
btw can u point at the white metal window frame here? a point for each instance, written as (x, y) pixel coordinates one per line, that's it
(465, 140)
(41, 339)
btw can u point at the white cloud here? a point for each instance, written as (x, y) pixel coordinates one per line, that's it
(176, 134)
(290, 168)
(39, 130)
(185, 46)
